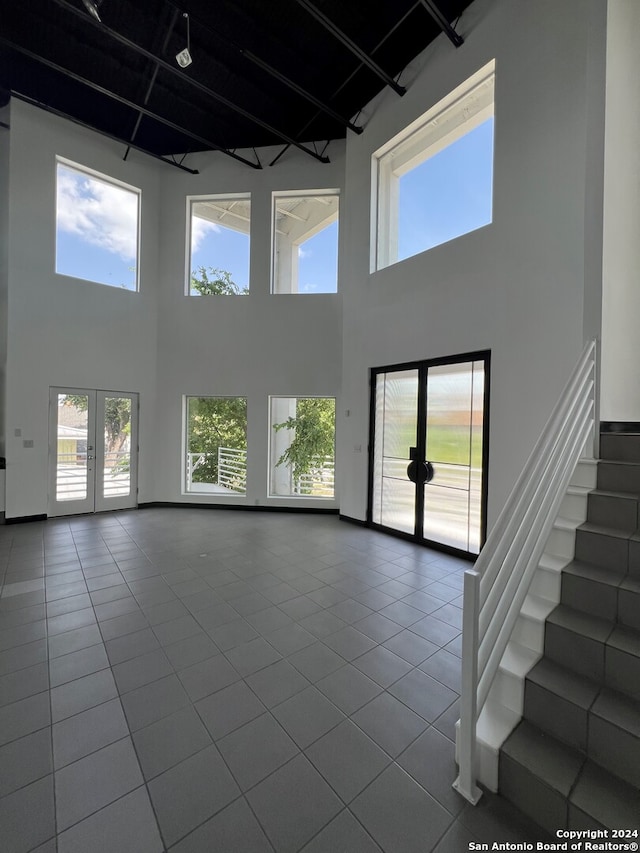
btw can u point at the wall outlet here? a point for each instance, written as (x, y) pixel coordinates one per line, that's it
(28, 442)
(17, 433)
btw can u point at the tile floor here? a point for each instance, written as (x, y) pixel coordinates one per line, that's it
(194, 680)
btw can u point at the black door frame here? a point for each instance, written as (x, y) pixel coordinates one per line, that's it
(422, 367)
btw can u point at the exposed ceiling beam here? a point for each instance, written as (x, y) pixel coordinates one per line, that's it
(104, 133)
(273, 72)
(142, 110)
(337, 33)
(432, 8)
(177, 72)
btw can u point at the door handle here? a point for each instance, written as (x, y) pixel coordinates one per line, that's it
(420, 472)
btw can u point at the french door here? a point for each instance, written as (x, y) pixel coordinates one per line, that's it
(93, 444)
(428, 453)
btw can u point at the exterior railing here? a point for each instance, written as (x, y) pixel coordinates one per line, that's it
(495, 589)
(319, 482)
(232, 468)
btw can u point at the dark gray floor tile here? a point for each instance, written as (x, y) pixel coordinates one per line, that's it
(129, 824)
(112, 580)
(176, 629)
(27, 816)
(232, 634)
(268, 620)
(348, 688)
(277, 682)
(446, 722)
(321, 624)
(350, 611)
(316, 661)
(23, 616)
(25, 760)
(308, 716)
(256, 749)
(109, 594)
(216, 616)
(252, 656)
(435, 631)
(301, 607)
(23, 657)
(154, 701)
(383, 666)
(343, 834)
(494, 819)
(399, 814)
(141, 670)
(81, 694)
(206, 677)
(76, 664)
(68, 605)
(349, 643)
(389, 723)
(402, 613)
(348, 759)
(122, 625)
(233, 829)
(190, 793)
(290, 639)
(131, 646)
(23, 717)
(73, 641)
(378, 627)
(293, 804)
(445, 668)
(191, 650)
(455, 839)
(71, 621)
(169, 741)
(423, 694)
(95, 781)
(430, 760)
(87, 732)
(64, 590)
(228, 709)
(23, 683)
(20, 635)
(119, 607)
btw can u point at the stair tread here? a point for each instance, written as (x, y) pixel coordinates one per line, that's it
(604, 530)
(626, 639)
(552, 761)
(610, 493)
(606, 798)
(592, 572)
(581, 623)
(620, 710)
(630, 583)
(565, 683)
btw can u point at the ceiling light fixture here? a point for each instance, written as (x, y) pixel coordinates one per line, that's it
(92, 7)
(184, 57)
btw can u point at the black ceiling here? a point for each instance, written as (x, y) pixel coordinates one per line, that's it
(264, 72)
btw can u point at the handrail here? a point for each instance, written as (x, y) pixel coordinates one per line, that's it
(495, 589)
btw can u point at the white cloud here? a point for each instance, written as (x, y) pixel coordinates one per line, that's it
(304, 253)
(200, 228)
(101, 214)
(309, 288)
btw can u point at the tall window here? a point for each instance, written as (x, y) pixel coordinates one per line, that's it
(302, 446)
(219, 239)
(97, 227)
(216, 445)
(434, 181)
(305, 242)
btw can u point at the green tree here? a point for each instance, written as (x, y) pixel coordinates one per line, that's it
(313, 436)
(209, 281)
(215, 422)
(117, 418)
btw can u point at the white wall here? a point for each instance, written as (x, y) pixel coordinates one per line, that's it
(620, 400)
(65, 331)
(515, 287)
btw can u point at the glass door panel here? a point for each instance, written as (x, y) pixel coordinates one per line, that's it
(396, 422)
(72, 459)
(116, 444)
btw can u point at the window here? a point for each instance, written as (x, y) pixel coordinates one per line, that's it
(219, 235)
(305, 242)
(434, 181)
(216, 445)
(302, 446)
(97, 227)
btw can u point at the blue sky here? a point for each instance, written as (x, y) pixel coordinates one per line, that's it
(97, 224)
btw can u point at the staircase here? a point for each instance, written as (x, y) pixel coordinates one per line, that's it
(574, 760)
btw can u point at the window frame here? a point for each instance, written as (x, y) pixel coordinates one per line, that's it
(185, 446)
(301, 194)
(454, 116)
(110, 181)
(196, 199)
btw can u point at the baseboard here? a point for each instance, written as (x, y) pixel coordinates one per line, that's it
(358, 521)
(629, 427)
(24, 519)
(241, 507)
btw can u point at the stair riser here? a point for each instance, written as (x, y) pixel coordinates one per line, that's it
(598, 549)
(619, 477)
(561, 543)
(580, 654)
(634, 558)
(622, 672)
(616, 750)
(590, 596)
(629, 608)
(613, 511)
(553, 714)
(574, 506)
(546, 807)
(619, 446)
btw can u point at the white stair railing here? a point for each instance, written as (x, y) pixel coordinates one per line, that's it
(496, 587)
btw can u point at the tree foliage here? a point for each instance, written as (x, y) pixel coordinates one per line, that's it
(215, 422)
(209, 281)
(117, 418)
(313, 435)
